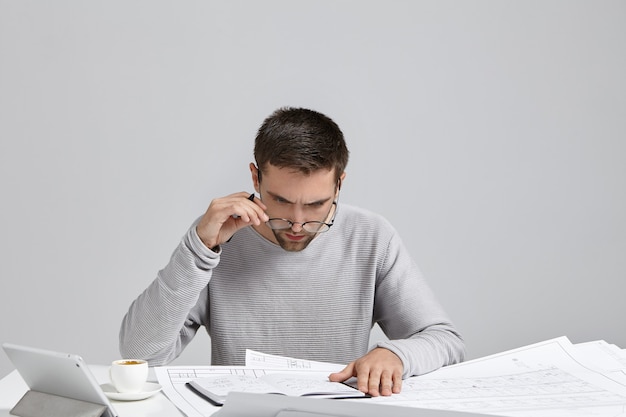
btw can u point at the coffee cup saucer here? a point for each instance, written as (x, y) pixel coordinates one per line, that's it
(149, 389)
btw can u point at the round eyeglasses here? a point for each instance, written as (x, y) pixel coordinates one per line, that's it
(309, 227)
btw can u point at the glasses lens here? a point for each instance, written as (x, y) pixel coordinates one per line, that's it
(278, 224)
(315, 227)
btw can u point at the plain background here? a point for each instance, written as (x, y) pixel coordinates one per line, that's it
(492, 134)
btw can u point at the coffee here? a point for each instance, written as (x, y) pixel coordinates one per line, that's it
(130, 362)
(129, 375)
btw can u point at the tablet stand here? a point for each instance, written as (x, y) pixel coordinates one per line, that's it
(39, 404)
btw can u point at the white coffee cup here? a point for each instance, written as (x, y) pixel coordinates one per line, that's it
(129, 375)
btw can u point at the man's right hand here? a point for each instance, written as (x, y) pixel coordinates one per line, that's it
(228, 214)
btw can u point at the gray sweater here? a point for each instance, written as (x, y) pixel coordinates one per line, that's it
(317, 304)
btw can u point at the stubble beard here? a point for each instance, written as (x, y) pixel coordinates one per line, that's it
(291, 246)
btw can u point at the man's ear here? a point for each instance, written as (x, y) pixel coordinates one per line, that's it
(255, 176)
(340, 182)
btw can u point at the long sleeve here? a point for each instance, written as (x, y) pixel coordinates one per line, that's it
(420, 332)
(166, 316)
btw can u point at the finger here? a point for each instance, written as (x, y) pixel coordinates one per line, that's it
(362, 374)
(252, 212)
(256, 200)
(373, 384)
(259, 209)
(386, 383)
(344, 374)
(397, 382)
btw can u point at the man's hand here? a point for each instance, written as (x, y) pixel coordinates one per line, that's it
(377, 373)
(228, 214)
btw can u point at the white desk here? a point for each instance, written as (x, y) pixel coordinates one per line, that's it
(13, 387)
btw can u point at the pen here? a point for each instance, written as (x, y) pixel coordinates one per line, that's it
(203, 396)
(251, 198)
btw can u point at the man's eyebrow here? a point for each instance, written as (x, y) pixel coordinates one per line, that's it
(280, 197)
(321, 201)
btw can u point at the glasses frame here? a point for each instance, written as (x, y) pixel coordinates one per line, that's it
(303, 224)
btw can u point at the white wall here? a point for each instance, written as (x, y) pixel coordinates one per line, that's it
(492, 134)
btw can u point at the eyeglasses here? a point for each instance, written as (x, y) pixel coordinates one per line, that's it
(309, 227)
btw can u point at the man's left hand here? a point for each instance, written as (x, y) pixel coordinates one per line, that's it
(378, 373)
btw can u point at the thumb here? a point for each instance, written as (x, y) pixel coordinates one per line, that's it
(344, 374)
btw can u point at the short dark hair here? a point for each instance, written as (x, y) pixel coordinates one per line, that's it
(302, 139)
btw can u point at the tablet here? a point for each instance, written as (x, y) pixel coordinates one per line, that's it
(63, 374)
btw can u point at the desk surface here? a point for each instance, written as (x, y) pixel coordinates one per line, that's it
(13, 387)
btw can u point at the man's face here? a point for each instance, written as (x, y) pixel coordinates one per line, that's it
(297, 197)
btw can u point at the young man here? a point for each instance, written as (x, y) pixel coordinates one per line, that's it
(291, 271)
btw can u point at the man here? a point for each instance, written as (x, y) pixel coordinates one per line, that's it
(291, 271)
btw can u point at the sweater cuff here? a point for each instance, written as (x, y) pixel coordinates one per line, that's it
(419, 356)
(389, 345)
(205, 257)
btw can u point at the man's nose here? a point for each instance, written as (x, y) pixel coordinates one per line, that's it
(297, 220)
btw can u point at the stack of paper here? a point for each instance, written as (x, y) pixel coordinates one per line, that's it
(552, 378)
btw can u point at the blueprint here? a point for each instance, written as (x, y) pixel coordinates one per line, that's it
(553, 378)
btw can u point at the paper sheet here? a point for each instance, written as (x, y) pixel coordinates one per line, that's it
(549, 379)
(174, 378)
(256, 359)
